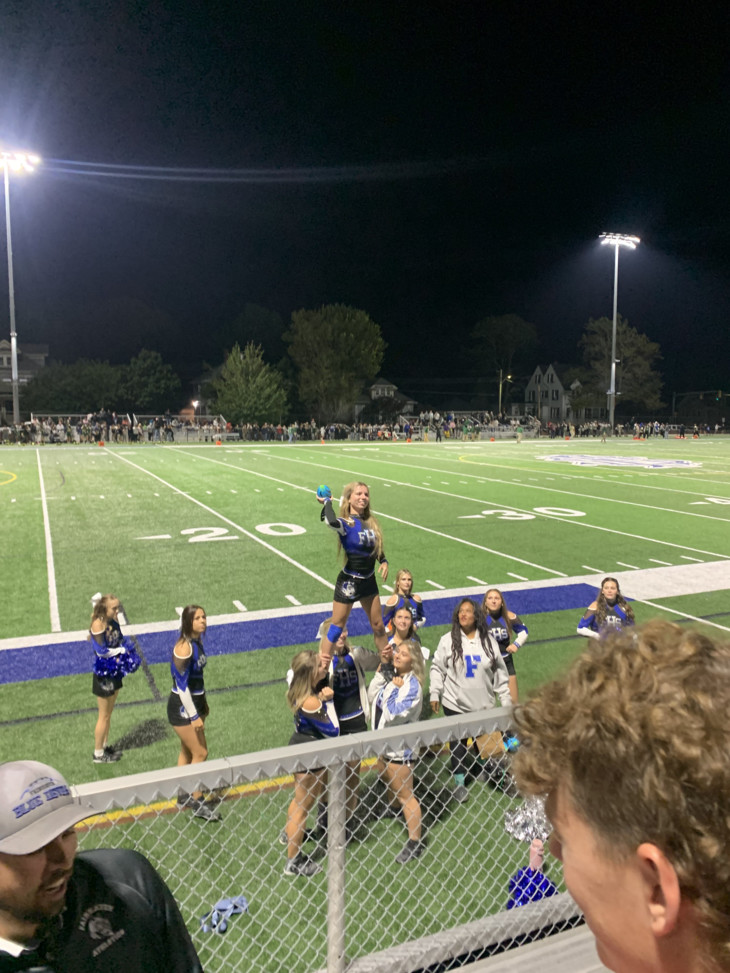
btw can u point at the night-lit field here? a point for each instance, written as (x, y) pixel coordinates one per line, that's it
(236, 528)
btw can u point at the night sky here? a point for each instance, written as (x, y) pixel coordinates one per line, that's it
(429, 163)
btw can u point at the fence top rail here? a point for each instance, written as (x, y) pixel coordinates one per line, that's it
(282, 761)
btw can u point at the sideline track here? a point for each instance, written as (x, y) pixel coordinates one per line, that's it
(68, 653)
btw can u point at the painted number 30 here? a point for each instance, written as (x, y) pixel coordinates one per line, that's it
(522, 515)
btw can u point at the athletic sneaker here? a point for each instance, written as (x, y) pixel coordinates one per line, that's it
(201, 810)
(496, 773)
(461, 793)
(107, 758)
(411, 849)
(300, 865)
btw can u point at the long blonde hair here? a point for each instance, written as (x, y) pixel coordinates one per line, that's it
(304, 666)
(100, 612)
(369, 522)
(417, 667)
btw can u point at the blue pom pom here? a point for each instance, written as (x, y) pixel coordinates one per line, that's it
(324, 492)
(129, 662)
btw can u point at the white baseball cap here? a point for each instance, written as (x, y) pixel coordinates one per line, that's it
(36, 805)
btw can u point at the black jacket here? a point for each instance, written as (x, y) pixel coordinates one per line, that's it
(120, 917)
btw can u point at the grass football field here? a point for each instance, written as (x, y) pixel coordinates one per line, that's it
(236, 528)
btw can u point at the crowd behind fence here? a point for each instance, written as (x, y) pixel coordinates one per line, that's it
(363, 911)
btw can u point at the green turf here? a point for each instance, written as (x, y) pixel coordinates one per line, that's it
(449, 513)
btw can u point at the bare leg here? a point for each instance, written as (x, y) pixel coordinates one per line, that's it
(513, 688)
(105, 705)
(193, 749)
(372, 609)
(307, 788)
(399, 778)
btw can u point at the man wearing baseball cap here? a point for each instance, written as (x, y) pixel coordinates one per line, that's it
(105, 910)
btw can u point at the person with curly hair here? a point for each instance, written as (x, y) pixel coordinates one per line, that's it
(610, 612)
(361, 539)
(630, 748)
(467, 674)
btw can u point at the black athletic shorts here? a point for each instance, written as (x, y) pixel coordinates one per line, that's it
(348, 590)
(106, 686)
(509, 661)
(176, 714)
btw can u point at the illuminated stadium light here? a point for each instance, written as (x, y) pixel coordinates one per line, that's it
(17, 162)
(615, 240)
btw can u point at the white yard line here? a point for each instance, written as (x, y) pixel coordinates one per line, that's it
(227, 520)
(52, 592)
(565, 520)
(674, 611)
(406, 523)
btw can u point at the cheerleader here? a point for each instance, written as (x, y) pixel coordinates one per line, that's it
(404, 629)
(361, 539)
(314, 719)
(509, 631)
(114, 658)
(403, 597)
(396, 702)
(346, 677)
(187, 707)
(610, 612)
(467, 674)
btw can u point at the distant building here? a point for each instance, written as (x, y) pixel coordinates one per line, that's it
(31, 359)
(383, 394)
(547, 398)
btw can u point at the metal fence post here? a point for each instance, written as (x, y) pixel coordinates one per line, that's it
(336, 841)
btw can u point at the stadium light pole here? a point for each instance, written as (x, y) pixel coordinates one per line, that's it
(615, 240)
(507, 378)
(18, 162)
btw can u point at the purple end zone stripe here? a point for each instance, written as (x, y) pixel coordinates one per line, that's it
(72, 658)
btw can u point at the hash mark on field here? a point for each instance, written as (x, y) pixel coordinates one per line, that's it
(73, 498)
(444, 483)
(179, 611)
(439, 586)
(239, 605)
(633, 567)
(157, 494)
(102, 497)
(686, 557)
(464, 482)
(592, 570)
(234, 491)
(386, 485)
(388, 587)
(280, 489)
(655, 561)
(292, 599)
(475, 580)
(209, 492)
(13, 500)
(256, 490)
(517, 576)
(129, 495)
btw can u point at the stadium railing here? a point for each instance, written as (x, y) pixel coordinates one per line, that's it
(364, 911)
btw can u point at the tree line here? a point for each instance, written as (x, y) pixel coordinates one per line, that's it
(331, 355)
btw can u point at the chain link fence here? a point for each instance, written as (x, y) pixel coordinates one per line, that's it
(361, 909)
